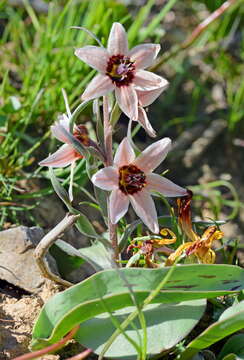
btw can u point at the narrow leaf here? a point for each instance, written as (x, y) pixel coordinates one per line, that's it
(84, 225)
(60, 191)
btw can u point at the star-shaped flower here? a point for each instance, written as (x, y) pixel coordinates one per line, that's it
(122, 70)
(66, 154)
(131, 181)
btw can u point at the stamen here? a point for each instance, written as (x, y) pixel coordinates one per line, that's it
(120, 69)
(131, 179)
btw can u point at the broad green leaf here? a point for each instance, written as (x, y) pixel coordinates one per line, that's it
(107, 290)
(229, 322)
(233, 346)
(167, 324)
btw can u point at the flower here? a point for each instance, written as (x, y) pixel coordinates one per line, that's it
(200, 246)
(146, 98)
(66, 154)
(121, 70)
(131, 181)
(148, 248)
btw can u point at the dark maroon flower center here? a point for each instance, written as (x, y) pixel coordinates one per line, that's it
(131, 179)
(121, 70)
(81, 134)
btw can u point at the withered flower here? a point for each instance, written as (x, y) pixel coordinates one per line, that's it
(200, 246)
(149, 248)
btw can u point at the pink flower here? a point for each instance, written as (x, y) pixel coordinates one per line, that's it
(145, 99)
(121, 70)
(131, 181)
(66, 154)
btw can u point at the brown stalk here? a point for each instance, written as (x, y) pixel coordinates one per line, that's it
(50, 348)
(82, 355)
(48, 240)
(108, 144)
(195, 34)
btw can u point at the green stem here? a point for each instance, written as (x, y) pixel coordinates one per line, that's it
(135, 313)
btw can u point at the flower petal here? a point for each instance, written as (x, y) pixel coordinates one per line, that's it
(106, 178)
(57, 128)
(144, 207)
(127, 100)
(124, 154)
(146, 80)
(94, 56)
(99, 86)
(146, 98)
(118, 205)
(117, 41)
(143, 120)
(64, 156)
(153, 155)
(64, 121)
(172, 257)
(164, 186)
(144, 55)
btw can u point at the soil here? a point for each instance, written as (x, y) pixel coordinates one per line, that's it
(18, 312)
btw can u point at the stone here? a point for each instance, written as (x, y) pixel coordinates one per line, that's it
(17, 262)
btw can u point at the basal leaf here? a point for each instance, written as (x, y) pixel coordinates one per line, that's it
(108, 290)
(229, 322)
(167, 324)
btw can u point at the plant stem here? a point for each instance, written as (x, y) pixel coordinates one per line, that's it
(50, 348)
(194, 35)
(108, 136)
(82, 355)
(135, 313)
(108, 145)
(45, 244)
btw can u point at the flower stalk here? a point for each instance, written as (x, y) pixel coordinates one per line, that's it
(108, 145)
